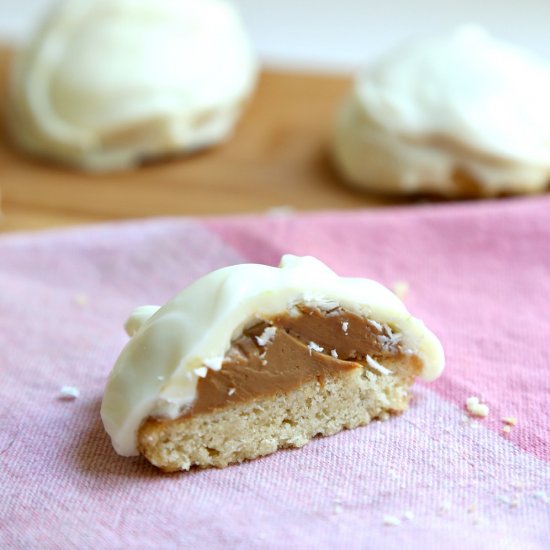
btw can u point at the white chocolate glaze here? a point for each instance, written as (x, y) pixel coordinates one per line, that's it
(156, 373)
(464, 101)
(105, 84)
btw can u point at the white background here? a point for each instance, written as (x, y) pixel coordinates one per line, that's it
(340, 35)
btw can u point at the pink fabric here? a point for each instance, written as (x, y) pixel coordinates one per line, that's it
(480, 278)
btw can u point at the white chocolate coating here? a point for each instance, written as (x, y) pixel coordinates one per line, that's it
(105, 84)
(156, 373)
(463, 101)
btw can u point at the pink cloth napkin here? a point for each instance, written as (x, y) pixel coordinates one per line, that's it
(479, 276)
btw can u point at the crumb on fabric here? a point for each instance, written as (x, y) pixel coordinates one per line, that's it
(506, 429)
(513, 501)
(444, 507)
(81, 299)
(511, 420)
(476, 408)
(408, 515)
(401, 289)
(541, 495)
(68, 393)
(391, 520)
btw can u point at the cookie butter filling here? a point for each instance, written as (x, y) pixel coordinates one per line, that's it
(291, 349)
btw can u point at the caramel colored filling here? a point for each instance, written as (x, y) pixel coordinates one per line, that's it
(308, 345)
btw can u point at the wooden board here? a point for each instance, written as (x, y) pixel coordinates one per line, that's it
(278, 156)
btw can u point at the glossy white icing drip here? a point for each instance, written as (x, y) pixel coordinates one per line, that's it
(106, 83)
(460, 101)
(156, 373)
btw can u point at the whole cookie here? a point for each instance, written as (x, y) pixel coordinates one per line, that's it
(105, 84)
(457, 115)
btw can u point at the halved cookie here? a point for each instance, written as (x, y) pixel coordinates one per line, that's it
(251, 358)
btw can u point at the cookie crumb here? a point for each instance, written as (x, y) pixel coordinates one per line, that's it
(391, 520)
(475, 408)
(401, 289)
(541, 495)
(69, 393)
(511, 420)
(81, 299)
(515, 501)
(445, 507)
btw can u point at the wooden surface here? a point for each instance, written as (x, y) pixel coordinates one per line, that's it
(277, 157)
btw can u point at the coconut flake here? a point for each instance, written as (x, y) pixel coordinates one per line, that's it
(231, 391)
(376, 325)
(201, 372)
(266, 336)
(334, 353)
(377, 366)
(315, 347)
(345, 325)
